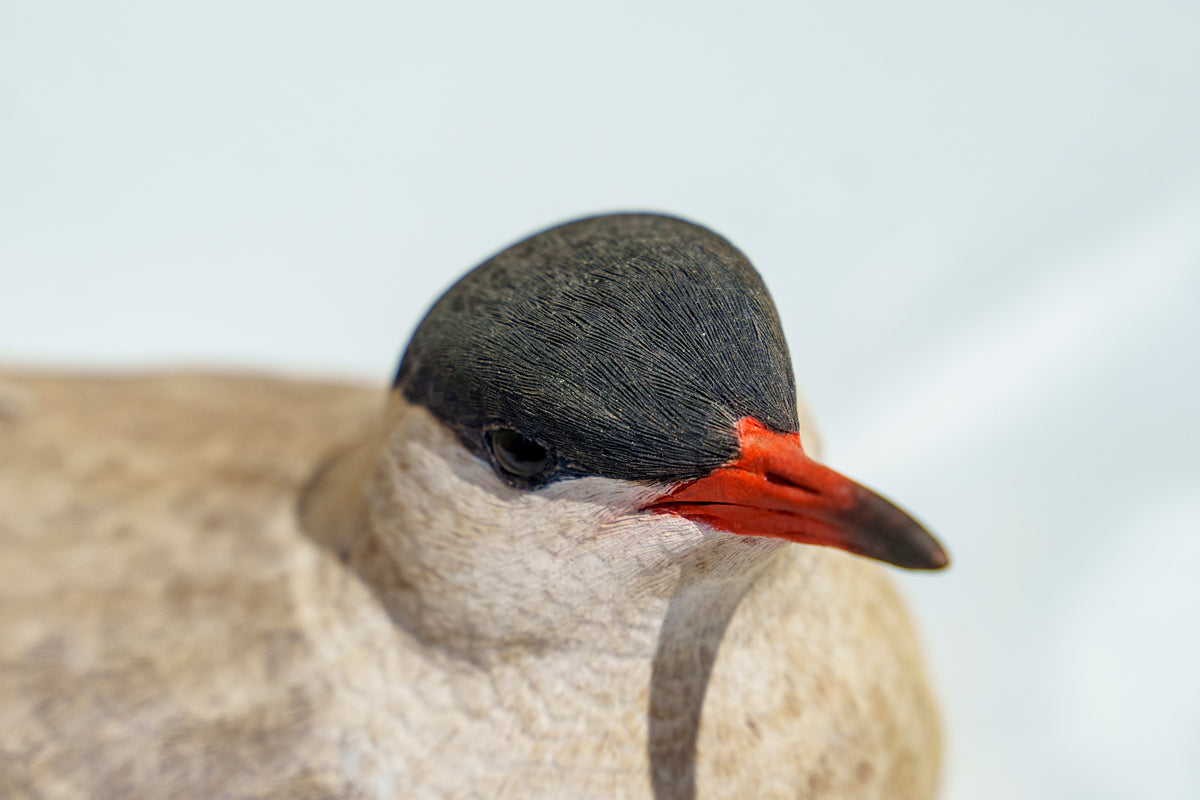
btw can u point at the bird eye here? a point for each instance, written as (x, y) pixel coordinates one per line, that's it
(518, 455)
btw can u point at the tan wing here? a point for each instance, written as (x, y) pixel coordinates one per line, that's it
(150, 633)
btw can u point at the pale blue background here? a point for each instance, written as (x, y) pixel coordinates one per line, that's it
(982, 226)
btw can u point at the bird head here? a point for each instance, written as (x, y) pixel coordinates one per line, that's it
(614, 396)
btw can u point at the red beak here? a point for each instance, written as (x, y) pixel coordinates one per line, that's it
(775, 490)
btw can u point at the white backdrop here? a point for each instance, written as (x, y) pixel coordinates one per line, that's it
(982, 227)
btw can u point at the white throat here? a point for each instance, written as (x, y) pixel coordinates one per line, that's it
(469, 564)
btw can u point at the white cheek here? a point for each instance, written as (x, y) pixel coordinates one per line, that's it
(494, 562)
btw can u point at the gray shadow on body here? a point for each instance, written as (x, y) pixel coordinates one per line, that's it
(688, 643)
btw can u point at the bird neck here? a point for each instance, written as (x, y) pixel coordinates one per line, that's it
(619, 616)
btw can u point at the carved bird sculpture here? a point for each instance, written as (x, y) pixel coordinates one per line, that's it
(581, 550)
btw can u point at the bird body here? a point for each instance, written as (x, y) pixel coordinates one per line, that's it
(223, 586)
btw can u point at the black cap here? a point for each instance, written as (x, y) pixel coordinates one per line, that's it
(626, 346)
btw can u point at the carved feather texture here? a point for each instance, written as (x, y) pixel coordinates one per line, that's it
(629, 344)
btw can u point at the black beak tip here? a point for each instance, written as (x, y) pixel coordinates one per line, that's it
(934, 559)
(917, 549)
(897, 538)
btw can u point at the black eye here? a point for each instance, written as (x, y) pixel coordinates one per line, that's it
(518, 455)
